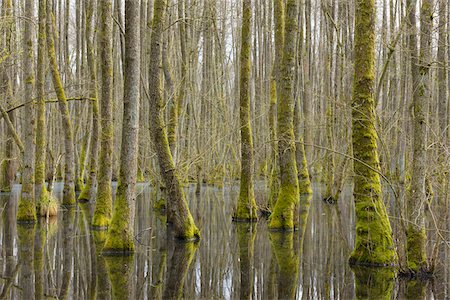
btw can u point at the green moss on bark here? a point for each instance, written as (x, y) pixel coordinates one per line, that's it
(282, 217)
(246, 206)
(26, 211)
(47, 205)
(416, 250)
(103, 207)
(120, 238)
(374, 244)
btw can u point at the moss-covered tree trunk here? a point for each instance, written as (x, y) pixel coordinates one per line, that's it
(27, 208)
(374, 244)
(44, 201)
(103, 206)
(246, 205)
(282, 216)
(8, 165)
(120, 236)
(69, 158)
(278, 16)
(179, 215)
(88, 191)
(415, 232)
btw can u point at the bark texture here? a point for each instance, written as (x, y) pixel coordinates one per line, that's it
(178, 214)
(69, 168)
(120, 236)
(416, 238)
(103, 206)
(27, 208)
(374, 244)
(282, 216)
(246, 205)
(87, 194)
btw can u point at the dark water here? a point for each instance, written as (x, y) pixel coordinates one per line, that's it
(60, 258)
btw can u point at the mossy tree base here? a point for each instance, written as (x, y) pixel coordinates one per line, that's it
(416, 256)
(120, 237)
(103, 208)
(282, 217)
(46, 205)
(246, 210)
(26, 212)
(69, 197)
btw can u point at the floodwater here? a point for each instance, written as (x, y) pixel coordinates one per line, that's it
(61, 257)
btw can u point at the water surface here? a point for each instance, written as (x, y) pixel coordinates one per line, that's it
(61, 257)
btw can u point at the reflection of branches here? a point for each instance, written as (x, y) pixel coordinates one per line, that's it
(9, 281)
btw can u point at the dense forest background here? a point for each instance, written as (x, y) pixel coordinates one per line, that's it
(288, 96)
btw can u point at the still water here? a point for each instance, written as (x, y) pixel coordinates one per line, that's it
(61, 258)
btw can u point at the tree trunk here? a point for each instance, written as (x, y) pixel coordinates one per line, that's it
(69, 186)
(27, 208)
(415, 233)
(42, 196)
(88, 192)
(246, 205)
(120, 236)
(374, 244)
(178, 214)
(8, 165)
(103, 206)
(278, 13)
(283, 213)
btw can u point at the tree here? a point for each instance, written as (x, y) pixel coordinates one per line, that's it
(178, 211)
(416, 238)
(121, 232)
(69, 168)
(374, 244)
(103, 206)
(8, 165)
(246, 205)
(282, 216)
(45, 203)
(278, 13)
(88, 191)
(27, 208)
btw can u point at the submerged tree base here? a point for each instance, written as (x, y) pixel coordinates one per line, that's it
(282, 217)
(26, 213)
(47, 204)
(120, 235)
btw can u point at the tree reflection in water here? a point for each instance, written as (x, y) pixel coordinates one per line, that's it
(62, 258)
